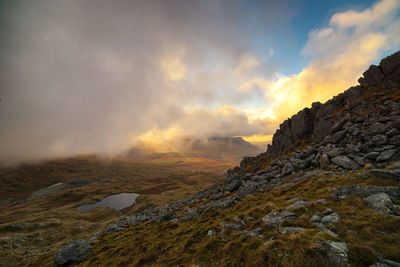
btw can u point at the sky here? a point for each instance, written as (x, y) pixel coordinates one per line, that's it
(82, 77)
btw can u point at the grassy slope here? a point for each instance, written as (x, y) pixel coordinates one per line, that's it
(53, 220)
(187, 244)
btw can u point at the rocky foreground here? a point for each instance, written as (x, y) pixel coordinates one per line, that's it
(329, 180)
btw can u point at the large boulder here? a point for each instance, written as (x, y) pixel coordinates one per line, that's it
(380, 202)
(373, 75)
(345, 162)
(390, 63)
(232, 182)
(336, 252)
(273, 219)
(248, 188)
(72, 253)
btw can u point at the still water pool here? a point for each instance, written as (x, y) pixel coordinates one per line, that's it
(117, 202)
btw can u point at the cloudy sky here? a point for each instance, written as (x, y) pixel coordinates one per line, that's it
(99, 76)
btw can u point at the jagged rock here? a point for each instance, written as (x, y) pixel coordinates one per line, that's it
(233, 182)
(391, 174)
(290, 230)
(336, 252)
(335, 152)
(386, 155)
(273, 219)
(191, 213)
(380, 202)
(327, 212)
(331, 218)
(324, 161)
(112, 228)
(338, 126)
(343, 192)
(72, 253)
(299, 204)
(390, 63)
(372, 155)
(345, 162)
(248, 188)
(217, 204)
(359, 160)
(373, 75)
(253, 233)
(316, 217)
(287, 169)
(335, 138)
(301, 124)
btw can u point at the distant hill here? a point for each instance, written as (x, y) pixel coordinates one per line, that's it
(219, 148)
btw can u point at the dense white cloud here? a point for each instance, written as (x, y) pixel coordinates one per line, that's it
(80, 77)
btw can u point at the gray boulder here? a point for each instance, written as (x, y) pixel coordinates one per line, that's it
(299, 204)
(232, 183)
(345, 162)
(335, 152)
(336, 252)
(248, 188)
(316, 217)
(287, 169)
(386, 155)
(331, 218)
(380, 202)
(289, 230)
(191, 213)
(273, 219)
(372, 155)
(72, 253)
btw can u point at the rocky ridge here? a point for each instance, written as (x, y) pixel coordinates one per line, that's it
(358, 130)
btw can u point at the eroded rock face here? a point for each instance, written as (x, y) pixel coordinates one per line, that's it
(72, 253)
(318, 123)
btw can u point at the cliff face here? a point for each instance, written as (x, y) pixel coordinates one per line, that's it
(322, 121)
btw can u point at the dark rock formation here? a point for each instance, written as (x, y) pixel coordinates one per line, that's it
(72, 253)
